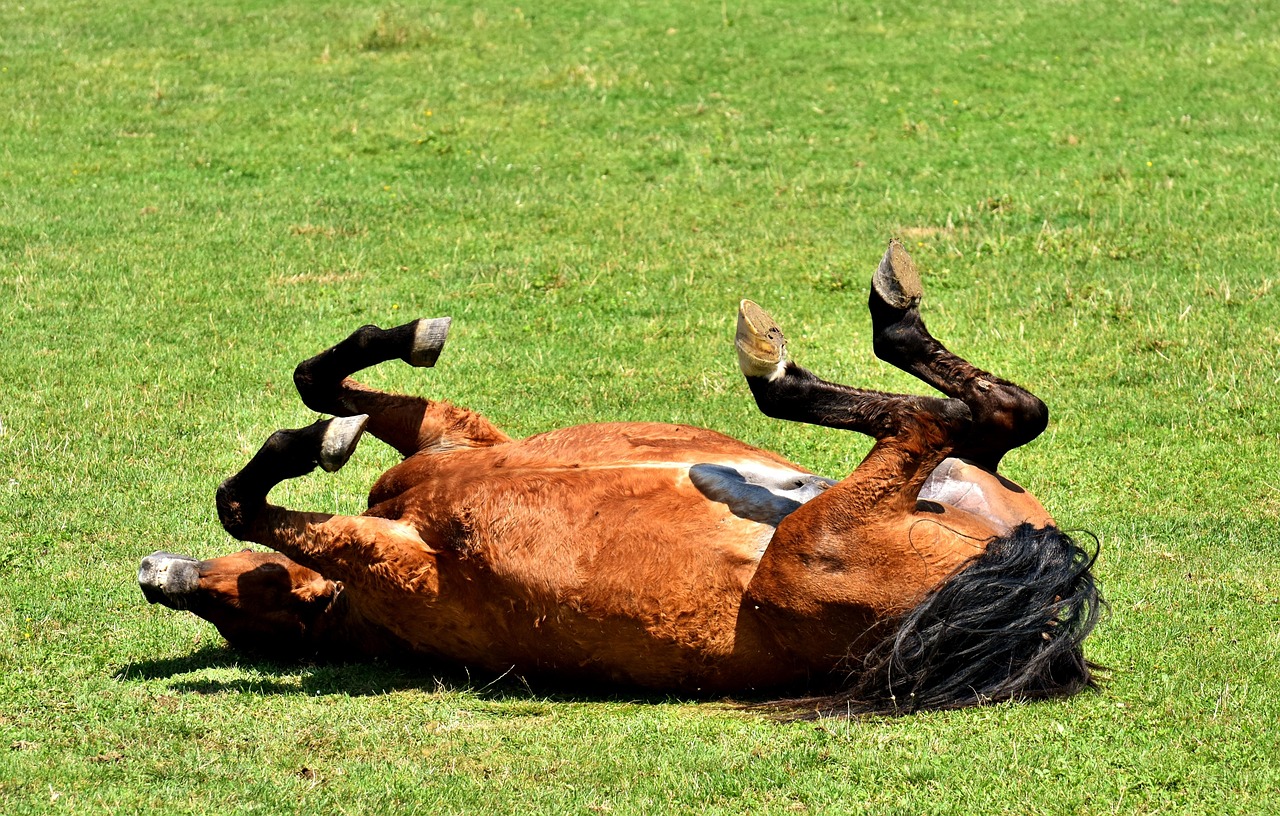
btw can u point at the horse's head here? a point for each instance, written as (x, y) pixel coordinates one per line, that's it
(1008, 625)
(262, 602)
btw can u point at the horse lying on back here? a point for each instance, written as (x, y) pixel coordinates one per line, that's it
(667, 557)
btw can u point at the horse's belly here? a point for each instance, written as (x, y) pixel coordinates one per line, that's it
(633, 571)
(625, 525)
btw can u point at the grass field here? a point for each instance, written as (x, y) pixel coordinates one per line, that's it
(194, 197)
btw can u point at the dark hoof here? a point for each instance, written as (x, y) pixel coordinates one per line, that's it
(341, 436)
(762, 348)
(429, 335)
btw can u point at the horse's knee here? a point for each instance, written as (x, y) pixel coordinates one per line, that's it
(1035, 415)
(1017, 413)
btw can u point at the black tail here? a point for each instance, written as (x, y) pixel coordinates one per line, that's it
(1008, 625)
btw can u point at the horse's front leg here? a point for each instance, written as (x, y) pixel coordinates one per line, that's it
(913, 433)
(1005, 415)
(865, 549)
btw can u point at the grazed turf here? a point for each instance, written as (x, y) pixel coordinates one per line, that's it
(193, 197)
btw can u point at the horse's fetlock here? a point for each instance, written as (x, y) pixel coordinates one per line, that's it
(279, 442)
(366, 335)
(230, 510)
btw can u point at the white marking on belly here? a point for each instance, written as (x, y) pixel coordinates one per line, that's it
(958, 493)
(757, 492)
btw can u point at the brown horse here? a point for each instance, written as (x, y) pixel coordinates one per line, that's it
(668, 557)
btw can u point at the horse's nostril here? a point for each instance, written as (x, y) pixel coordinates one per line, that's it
(166, 578)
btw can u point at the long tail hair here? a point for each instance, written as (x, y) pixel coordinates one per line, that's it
(1008, 625)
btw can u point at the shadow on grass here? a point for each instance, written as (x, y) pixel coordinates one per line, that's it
(313, 679)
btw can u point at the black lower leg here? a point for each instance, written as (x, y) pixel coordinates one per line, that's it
(1005, 415)
(319, 379)
(287, 454)
(800, 396)
(785, 390)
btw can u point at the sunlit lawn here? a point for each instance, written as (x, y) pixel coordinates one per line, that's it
(194, 197)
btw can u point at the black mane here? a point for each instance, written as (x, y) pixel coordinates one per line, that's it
(1008, 625)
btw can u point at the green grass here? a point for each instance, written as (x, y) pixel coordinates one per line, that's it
(193, 197)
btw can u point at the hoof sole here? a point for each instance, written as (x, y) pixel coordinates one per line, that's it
(168, 579)
(428, 340)
(897, 281)
(340, 440)
(762, 348)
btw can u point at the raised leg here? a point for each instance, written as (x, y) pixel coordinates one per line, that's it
(353, 549)
(1005, 415)
(287, 454)
(408, 424)
(913, 434)
(836, 564)
(846, 558)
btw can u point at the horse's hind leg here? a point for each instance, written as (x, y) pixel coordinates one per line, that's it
(1005, 415)
(287, 454)
(341, 548)
(408, 424)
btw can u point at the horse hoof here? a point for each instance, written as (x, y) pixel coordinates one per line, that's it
(168, 578)
(428, 339)
(897, 281)
(340, 440)
(762, 348)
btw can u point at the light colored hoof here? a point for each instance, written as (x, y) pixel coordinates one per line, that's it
(428, 340)
(762, 348)
(169, 579)
(897, 281)
(340, 440)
